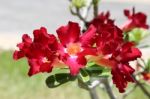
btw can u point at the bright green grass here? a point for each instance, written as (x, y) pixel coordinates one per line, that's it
(15, 84)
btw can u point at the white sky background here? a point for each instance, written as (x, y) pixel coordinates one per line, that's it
(23, 16)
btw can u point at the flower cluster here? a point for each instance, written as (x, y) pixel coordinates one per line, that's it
(102, 43)
(113, 51)
(45, 52)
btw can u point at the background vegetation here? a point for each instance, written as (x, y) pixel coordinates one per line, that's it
(15, 84)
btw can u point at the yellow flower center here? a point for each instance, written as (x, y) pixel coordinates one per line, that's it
(73, 48)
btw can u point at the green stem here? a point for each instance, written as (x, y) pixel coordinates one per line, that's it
(95, 7)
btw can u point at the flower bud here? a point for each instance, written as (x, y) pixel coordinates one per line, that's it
(78, 3)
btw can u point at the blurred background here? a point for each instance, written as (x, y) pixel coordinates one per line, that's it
(23, 16)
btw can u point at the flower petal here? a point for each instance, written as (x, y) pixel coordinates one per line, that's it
(18, 54)
(87, 38)
(34, 67)
(68, 34)
(122, 74)
(74, 66)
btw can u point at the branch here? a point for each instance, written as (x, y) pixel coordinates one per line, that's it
(106, 84)
(93, 93)
(108, 88)
(80, 16)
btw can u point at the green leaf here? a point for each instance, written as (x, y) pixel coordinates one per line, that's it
(148, 66)
(91, 63)
(94, 70)
(50, 81)
(105, 74)
(59, 79)
(82, 84)
(137, 34)
(84, 75)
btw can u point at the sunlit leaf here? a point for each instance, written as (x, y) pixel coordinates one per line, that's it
(137, 34)
(84, 75)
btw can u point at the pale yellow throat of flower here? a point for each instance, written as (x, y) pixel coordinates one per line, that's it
(100, 60)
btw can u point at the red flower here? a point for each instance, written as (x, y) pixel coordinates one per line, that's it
(146, 76)
(101, 19)
(109, 36)
(118, 61)
(74, 46)
(40, 52)
(135, 20)
(114, 53)
(122, 71)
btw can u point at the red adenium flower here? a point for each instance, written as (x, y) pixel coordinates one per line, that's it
(40, 52)
(74, 46)
(114, 53)
(108, 35)
(122, 71)
(135, 20)
(118, 61)
(101, 19)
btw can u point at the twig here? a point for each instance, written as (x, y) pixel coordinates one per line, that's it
(80, 16)
(142, 87)
(81, 13)
(95, 8)
(85, 12)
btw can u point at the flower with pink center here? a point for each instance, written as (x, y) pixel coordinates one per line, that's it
(74, 46)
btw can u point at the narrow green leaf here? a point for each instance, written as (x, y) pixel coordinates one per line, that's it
(82, 84)
(58, 79)
(84, 75)
(94, 70)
